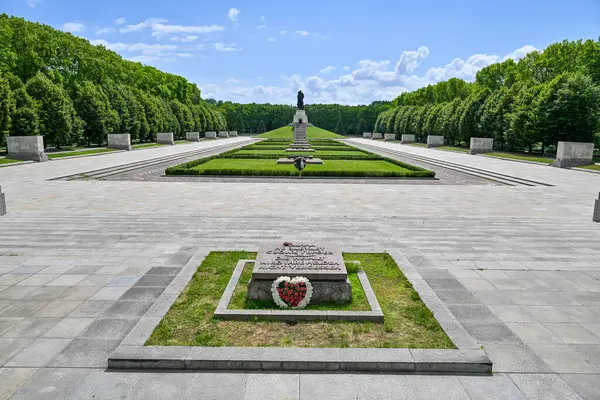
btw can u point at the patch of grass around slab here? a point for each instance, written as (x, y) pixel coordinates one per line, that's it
(408, 322)
(312, 132)
(454, 148)
(595, 167)
(8, 161)
(146, 145)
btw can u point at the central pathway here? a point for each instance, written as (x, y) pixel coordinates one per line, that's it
(82, 261)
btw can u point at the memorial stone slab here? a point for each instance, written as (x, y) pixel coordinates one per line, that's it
(26, 148)
(595, 218)
(165, 138)
(366, 135)
(389, 136)
(377, 135)
(3, 203)
(210, 135)
(192, 136)
(321, 261)
(407, 139)
(223, 134)
(119, 141)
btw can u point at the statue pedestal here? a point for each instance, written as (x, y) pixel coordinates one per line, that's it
(300, 116)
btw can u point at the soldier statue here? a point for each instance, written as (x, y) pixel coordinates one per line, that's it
(300, 104)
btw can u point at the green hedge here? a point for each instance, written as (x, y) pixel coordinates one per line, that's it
(350, 174)
(323, 157)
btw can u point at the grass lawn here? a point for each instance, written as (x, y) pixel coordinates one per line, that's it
(312, 132)
(595, 167)
(417, 144)
(8, 161)
(317, 153)
(78, 153)
(453, 148)
(520, 156)
(145, 145)
(408, 322)
(359, 299)
(262, 167)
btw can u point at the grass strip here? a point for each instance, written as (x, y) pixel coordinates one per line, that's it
(79, 153)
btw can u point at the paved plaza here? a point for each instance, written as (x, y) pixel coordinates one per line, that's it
(82, 261)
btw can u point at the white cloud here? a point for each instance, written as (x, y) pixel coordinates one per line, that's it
(346, 68)
(263, 18)
(302, 33)
(144, 48)
(120, 21)
(185, 55)
(102, 31)
(270, 39)
(520, 53)
(232, 80)
(328, 69)
(261, 26)
(367, 81)
(184, 39)
(73, 27)
(283, 32)
(142, 25)
(226, 47)
(33, 3)
(160, 28)
(233, 14)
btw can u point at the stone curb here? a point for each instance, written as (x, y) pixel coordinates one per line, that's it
(467, 359)
(222, 311)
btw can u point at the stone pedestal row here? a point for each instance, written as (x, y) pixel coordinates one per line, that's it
(165, 138)
(367, 135)
(210, 135)
(573, 154)
(435, 141)
(389, 136)
(223, 134)
(26, 148)
(119, 141)
(404, 139)
(2, 203)
(377, 135)
(481, 145)
(192, 136)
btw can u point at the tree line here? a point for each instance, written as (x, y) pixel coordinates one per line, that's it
(341, 119)
(60, 86)
(545, 97)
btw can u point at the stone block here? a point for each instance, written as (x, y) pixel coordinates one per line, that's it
(26, 148)
(435, 141)
(233, 134)
(119, 141)
(300, 117)
(367, 135)
(407, 139)
(595, 218)
(223, 134)
(573, 154)
(192, 136)
(300, 132)
(377, 135)
(165, 138)
(3, 203)
(481, 145)
(210, 135)
(389, 136)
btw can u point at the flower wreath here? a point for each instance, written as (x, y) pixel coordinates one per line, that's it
(295, 293)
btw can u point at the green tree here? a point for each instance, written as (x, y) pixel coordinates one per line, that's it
(6, 105)
(94, 109)
(261, 127)
(24, 121)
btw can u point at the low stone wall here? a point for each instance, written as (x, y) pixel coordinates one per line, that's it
(389, 136)
(192, 136)
(210, 135)
(165, 138)
(573, 154)
(377, 135)
(481, 145)
(233, 134)
(223, 134)
(407, 139)
(596, 216)
(2, 203)
(26, 148)
(435, 141)
(119, 141)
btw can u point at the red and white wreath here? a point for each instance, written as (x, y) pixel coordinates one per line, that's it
(294, 293)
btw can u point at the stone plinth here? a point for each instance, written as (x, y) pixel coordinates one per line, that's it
(233, 134)
(165, 138)
(308, 161)
(435, 141)
(300, 132)
(323, 291)
(407, 139)
(223, 134)
(210, 135)
(481, 145)
(322, 264)
(192, 136)
(26, 148)
(300, 117)
(2, 203)
(389, 136)
(596, 216)
(377, 135)
(573, 154)
(367, 135)
(119, 141)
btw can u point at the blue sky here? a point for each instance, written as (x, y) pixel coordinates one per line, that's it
(350, 52)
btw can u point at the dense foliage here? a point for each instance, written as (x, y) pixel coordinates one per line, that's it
(543, 98)
(60, 86)
(341, 119)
